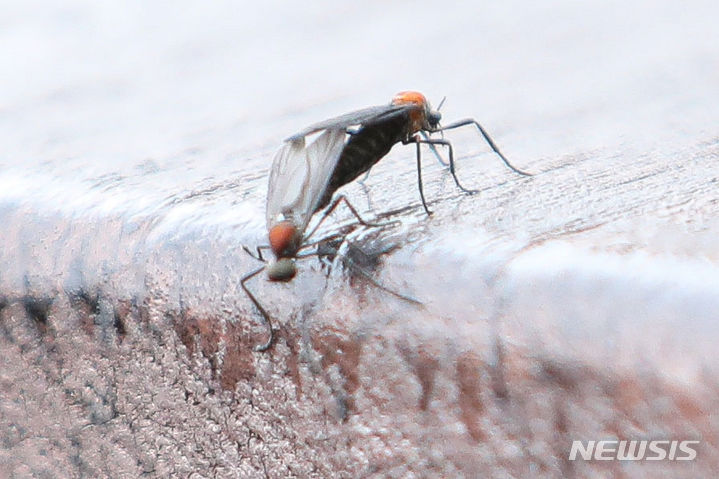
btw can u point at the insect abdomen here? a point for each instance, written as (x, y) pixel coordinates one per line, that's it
(364, 148)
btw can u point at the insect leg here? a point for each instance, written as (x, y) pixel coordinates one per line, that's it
(446, 143)
(343, 198)
(433, 148)
(263, 312)
(334, 205)
(364, 178)
(318, 242)
(486, 136)
(259, 248)
(419, 175)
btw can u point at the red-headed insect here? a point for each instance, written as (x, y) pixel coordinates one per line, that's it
(304, 177)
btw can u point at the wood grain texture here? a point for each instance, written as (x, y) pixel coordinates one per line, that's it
(579, 303)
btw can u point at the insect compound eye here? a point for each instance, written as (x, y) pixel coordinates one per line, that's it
(433, 118)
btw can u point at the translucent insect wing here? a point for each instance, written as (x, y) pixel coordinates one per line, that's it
(365, 116)
(299, 177)
(288, 177)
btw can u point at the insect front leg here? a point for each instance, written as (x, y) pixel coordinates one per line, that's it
(416, 140)
(426, 136)
(437, 141)
(471, 121)
(430, 141)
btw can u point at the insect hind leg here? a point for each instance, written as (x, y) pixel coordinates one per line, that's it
(360, 220)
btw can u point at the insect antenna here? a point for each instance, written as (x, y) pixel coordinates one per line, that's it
(439, 107)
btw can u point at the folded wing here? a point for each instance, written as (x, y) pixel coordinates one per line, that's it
(365, 116)
(299, 176)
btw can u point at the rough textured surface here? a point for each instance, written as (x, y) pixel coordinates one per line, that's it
(580, 303)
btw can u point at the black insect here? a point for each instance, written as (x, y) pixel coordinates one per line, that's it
(305, 176)
(373, 132)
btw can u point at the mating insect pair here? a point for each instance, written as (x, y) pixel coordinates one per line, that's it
(304, 177)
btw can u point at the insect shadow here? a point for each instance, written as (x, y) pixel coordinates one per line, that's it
(360, 259)
(331, 251)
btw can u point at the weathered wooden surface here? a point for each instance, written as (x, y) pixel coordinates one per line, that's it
(580, 303)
